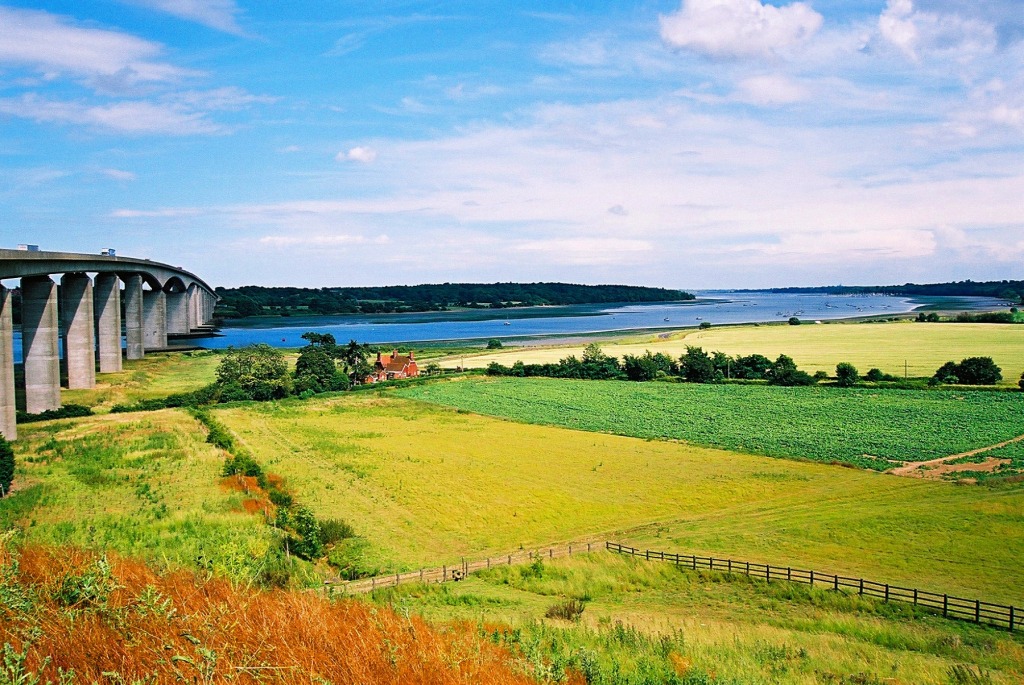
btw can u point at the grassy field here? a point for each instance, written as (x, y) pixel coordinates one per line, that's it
(857, 426)
(140, 484)
(924, 347)
(425, 485)
(742, 630)
(158, 374)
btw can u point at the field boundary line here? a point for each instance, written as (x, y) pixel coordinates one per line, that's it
(973, 610)
(456, 572)
(912, 466)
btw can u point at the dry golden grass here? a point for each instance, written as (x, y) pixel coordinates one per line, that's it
(121, 622)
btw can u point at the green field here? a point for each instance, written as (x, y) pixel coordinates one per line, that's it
(861, 427)
(915, 348)
(425, 485)
(140, 484)
(743, 630)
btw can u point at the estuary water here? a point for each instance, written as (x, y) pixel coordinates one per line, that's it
(715, 307)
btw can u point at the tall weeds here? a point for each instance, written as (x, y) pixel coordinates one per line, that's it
(70, 616)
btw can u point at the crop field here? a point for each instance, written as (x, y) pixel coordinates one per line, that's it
(140, 484)
(424, 485)
(741, 629)
(856, 426)
(887, 346)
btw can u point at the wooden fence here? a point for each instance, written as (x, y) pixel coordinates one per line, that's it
(951, 607)
(458, 571)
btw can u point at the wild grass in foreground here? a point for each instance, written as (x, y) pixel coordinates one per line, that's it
(72, 617)
(645, 622)
(861, 427)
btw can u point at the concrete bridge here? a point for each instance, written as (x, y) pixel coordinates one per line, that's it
(86, 314)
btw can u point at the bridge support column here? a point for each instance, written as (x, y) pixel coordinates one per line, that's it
(177, 313)
(133, 317)
(107, 307)
(79, 333)
(154, 319)
(8, 425)
(39, 339)
(193, 307)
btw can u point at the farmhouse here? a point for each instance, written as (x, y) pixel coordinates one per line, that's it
(393, 366)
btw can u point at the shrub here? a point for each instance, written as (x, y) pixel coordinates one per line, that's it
(1020, 383)
(570, 610)
(793, 321)
(6, 466)
(847, 375)
(280, 498)
(494, 344)
(68, 411)
(704, 325)
(333, 530)
(255, 372)
(874, 375)
(970, 371)
(310, 544)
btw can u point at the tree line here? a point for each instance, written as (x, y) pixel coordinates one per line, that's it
(698, 366)
(253, 300)
(1011, 291)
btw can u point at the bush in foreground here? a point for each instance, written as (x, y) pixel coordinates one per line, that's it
(73, 617)
(6, 466)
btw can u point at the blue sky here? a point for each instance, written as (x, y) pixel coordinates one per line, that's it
(696, 144)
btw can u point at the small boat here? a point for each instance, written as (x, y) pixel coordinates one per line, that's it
(506, 324)
(666, 318)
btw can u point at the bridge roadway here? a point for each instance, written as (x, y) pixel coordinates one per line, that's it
(85, 312)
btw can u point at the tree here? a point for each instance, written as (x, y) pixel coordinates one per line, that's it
(696, 366)
(978, 371)
(353, 357)
(314, 370)
(255, 372)
(647, 367)
(874, 375)
(704, 325)
(846, 375)
(494, 344)
(793, 321)
(751, 367)
(784, 372)
(6, 467)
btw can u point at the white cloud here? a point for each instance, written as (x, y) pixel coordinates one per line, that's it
(118, 174)
(217, 14)
(137, 117)
(770, 90)
(361, 153)
(587, 250)
(738, 28)
(331, 240)
(916, 33)
(228, 98)
(53, 45)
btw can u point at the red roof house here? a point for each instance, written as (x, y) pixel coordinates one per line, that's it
(393, 366)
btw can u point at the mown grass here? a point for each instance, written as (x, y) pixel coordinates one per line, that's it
(646, 616)
(427, 485)
(147, 485)
(856, 426)
(924, 347)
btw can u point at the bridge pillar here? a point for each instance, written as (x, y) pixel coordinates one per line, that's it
(107, 307)
(39, 339)
(177, 313)
(8, 425)
(154, 319)
(79, 333)
(193, 306)
(135, 349)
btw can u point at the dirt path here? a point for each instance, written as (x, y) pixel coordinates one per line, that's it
(910, 468)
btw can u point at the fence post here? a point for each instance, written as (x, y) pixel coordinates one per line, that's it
(647, 554)
(977, 611)
(945, 605)
(373, 583)
(915, 596)
(398, 580)
(551, 554)
(693, 557)
(887, 592)
(748, 568)
(812, 577)
(861, 590)
(588, 546)
(789, 573)
(444, 573)
(1011, 618)
(570, 550)
(509, 559)
(835, 582)
(730, 566)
